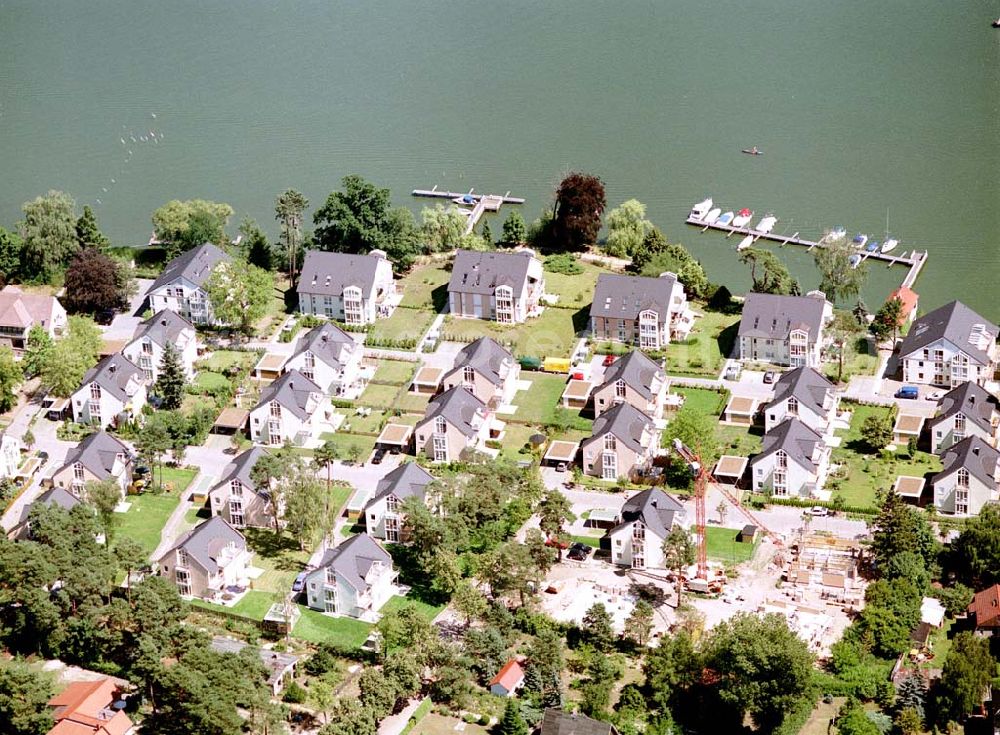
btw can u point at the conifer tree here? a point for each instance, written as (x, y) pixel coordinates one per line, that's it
(170, 384)
(512, 722)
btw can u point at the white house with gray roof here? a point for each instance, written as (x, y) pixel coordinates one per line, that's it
(645, 521)
(505, 287)
(355, 289)
(969, 479)
(20, 311)
(181, 285)
(793, 463)
(98, 457)
(647, 312)
(151, 339)
(624, 439)
(292, 408)
(454, 420)
(238, 499)
(634, 379)
(331, 358)
(112, 392)
(208, 561)
(487, 369)
(804, 394)
(784, 330)
(966, 410)
(53, 497)
(354, 579)
(383, 514)
(949, 346)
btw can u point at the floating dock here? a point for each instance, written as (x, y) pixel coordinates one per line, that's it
(482, 202)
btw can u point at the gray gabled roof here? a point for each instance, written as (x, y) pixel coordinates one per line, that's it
(485, 356)
(163, 327)
(481, 272)
(975, 455)
(292, 391)
(954, 322)
(772, 316)
(97, 453)
(328, 274)
(458, 406)
(195, 265)
(241, 469)
(971, 400)
(795, 438)
(656, 509)
(409, 480)
(806, 385)
(623, 297)
(557, 722)
(353, 558)
(57, 496)
(637, 370)
(113, 374)
(329, 343)
(206, 541)
(625, 422)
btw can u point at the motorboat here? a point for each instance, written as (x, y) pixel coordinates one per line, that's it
(860, 241)
(745, 243)
(466, 199)
(712, 217)
(889, 244)
(837, 233)
(873, 246)
(755, 151)
(767, 224)
(699, 210)
(855, 260)
(742, 218)
(725, 219)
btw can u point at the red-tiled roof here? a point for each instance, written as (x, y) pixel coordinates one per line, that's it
(909, 298)
(510, 676)
(986, 607)
(83, 708)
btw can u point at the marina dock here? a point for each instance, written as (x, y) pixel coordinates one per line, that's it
(482, 202)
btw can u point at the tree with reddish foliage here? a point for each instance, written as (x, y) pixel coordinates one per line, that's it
(580, 203)
(93, 283)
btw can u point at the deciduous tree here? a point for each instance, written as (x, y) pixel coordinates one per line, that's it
(442, 228)
(678, 554)
(11, 377)
(656, 256)
(11, 247)
(93, 283)
(768, 273)
(887, 318)
(627, 228)
(975, 554)
(554, 512)
(239, 294)
(64, 365)
(307, 511)
(844, 330)
(184, 225)
(37, 349)
(876, 430)
(840, 280)
(48, 231)
(105, 495)
(580, 203)
(968, 669)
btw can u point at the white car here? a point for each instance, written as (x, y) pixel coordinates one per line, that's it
(818, 510)
(935, 396)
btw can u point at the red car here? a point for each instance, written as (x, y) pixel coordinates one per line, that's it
(608, 359)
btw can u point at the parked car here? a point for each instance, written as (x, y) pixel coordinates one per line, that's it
(579, 552)
(908, 392)
(300, 582)
(935, 396)
(608, 359)
(561, 467)
(378, 456)
(819, 511)
(770, 376)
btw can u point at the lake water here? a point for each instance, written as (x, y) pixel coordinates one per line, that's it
(861, 107)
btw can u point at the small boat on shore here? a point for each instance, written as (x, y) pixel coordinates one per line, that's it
(889, 244)
(712, 217)
(725, 219)
(745, 243)
(767, 224)
(699, 210)
(855, 260)
(742, 218)
(860, 241)
(837, 233)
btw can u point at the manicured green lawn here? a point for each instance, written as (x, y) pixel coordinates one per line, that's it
(379, 396)
(425, 287)
(703, 400)
(208, 380)
(541, 403)
(425, 609)
(723, 546)
(196, 514)
(415, 402)
(553, 334)
(403, 324)
(357, 424)
(395, 372)
(254, 604)
(515, 439)
(220, 360)
(739, 441)
(858, 363)
(145, 518)
(705, 350)
(280, 558)
(176, 479)
(316, 627)
(344, 442)
(576, 291)
(592, 541)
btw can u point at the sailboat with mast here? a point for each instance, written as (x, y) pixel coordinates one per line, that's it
(890, 242)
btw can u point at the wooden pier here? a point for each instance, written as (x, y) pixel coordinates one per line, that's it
(482, 202)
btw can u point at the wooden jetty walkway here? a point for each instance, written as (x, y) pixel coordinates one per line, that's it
(482, 202)
(914, 261)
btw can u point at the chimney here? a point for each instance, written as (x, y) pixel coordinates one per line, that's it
(975, 450)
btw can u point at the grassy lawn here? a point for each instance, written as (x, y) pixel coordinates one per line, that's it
(704, 351)
(541, 403)
(394, 372)
(822, 717)
(414, 402)
(358, 424)
(435, 724)
(176, 479)
(425, 287)
(192, 403)
(403, 324)
(860, 472)
(254, 604)
(276, 309)
(553, 334)
(316, 627)
(207, 380)
(703, 400)
(940, 644)
(280, 558)
(723, 546)
(577, 291)
(514, 441)
(196, 514)
(145, 518)
(380, 396)
(592, 541)
(426, 609)
(220, 360)
(858, 363)
(344, 442)
(739, 441)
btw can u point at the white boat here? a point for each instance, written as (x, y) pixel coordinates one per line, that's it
(855, 260)
(725, 219)
(699, 210)
(742, 219)
(745, 243)
(767, 224)
(889, 244)
(837, 233)
(860, 241)
(712, 217)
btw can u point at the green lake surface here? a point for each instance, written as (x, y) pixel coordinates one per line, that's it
(860, 107)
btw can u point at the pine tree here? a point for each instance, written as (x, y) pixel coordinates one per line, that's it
(88, 234)
(170, 384)
(912, 695)
(487, 234)
(512, 722)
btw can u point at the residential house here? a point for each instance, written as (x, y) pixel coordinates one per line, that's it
(966, 410)
(181, 285)
(112, 392)
(508, 679)
(20, 311)
(644, 523)
(969, 479)
(236, 496)
(54, 496)
(280, 665)
(804, 394)
(949, 346)
(151, 339)
(624, 439)
(208, 560)
(487, 369)
(984, 610)
(454, 420)
(647, 312)
(506, 287)
(354, 289)
(910, 302)
(331, 358)
(10, 455)
(634, 379)
(291, 408)
(793, 462)
(354, 579)
(557, 722)
(90, 708)
(383, 512)
(784, 330)
(98, 457)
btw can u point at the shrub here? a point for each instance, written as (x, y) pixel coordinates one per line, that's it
(294, 693)
(563, 263)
